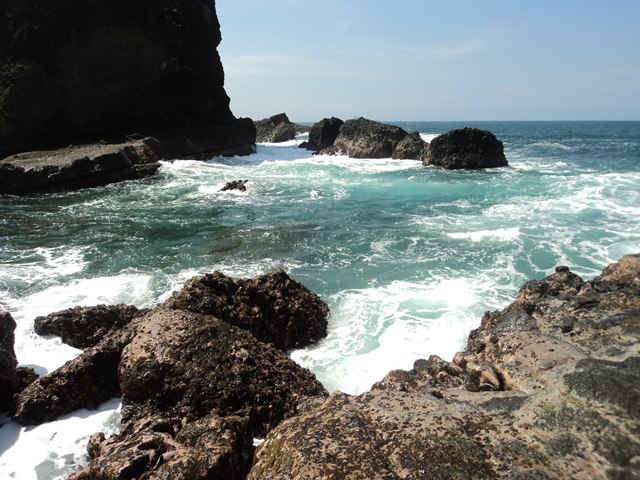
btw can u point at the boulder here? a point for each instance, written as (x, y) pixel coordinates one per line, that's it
(156, 447)
(465, 148)
(323, 134)
(273, 307)
(363, 138)
(240, 185)
(410, 148)
(76, 72)
(277, 128)
(83, 327)
(547, 388)
(185, 365)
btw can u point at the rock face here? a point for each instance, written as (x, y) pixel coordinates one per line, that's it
(410, 148)
(547, 388)
(9, 382)
(465, 148)
(273, 307)
(363, 138)
(83, 327)
(185, 365)
(77, 72)
(277, 129)
(323, 134)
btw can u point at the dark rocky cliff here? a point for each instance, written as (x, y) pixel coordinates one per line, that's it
(74, 71)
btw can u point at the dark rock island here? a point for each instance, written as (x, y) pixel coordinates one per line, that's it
(465, 148)
(277, 129)
(77, 72)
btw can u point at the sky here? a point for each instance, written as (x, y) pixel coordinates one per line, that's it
(432, 60)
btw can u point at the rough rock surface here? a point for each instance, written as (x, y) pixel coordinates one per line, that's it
(9, 382)
(273, 307)
(83, 327)
(185, 365)
(156, 447)
(240, 185)
(363, 138)
(465, 148)
(84, 382)
(277, 128)
(77, 72)
(547, 388)
(411, 148)
(323, 134)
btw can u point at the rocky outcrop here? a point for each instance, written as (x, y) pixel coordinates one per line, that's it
(212, 447)
(277, 128)
(185, 365)
(410, 148)
(323, 134)
(547, 388)
(363, 138)
(465, 148)
(12, 378)
(83, 327)
(240, 185)
(76, 72)
(273, 307)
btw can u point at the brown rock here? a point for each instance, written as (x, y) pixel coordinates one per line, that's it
(83, 327)
(363, 138)
(410, 148)
(273, 307)
(323, 134)
(465, 148)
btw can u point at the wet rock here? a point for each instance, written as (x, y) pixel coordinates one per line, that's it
(83, 327)
(273, 307)
(277, 128)
(466, 148)
(411, 148)
(155, 447)
(240, 185)
(363, 138)
(9, 381)
(84, 382)
(323, 134)
(527, 399)
(186, 365)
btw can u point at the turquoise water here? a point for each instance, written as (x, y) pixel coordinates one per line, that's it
(407, 257)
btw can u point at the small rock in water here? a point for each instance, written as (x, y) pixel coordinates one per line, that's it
(235, 185)
(562, 269)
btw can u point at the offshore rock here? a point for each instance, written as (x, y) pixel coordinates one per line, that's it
(411, 148)
(84, 382)
(323, 134)
(547, 388)
(156, 447)
(77, 72)
(273, 307)
(185, 365)
(277, 128)
(363, 138)
(240, 185)
(83, 327)
(465, 148)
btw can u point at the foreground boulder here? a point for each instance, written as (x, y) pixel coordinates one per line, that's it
(12, 378)
(76, 72)
(465, 148)
(83, 327)
(213, 447)
(323, 134)
(273, 307)
(363, 138)
(547, 388)
(277, 128)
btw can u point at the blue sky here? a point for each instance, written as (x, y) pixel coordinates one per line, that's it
(432, 60)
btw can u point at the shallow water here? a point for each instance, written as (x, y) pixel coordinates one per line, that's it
(407, 257)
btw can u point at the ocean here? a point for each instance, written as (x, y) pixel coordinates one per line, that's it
(407, 257)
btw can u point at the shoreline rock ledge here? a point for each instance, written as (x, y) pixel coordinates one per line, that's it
(547, 388)
(103, 75)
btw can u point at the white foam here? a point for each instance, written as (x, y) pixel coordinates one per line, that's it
(53, 450)
(428, 137)
(499, 234)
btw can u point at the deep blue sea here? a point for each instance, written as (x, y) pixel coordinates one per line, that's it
(408, 257)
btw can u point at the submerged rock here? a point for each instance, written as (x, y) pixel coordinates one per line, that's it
(273, 307)
(528, 398)
(465, 148)
(323, 134)
(83, 327)
(240, 185)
